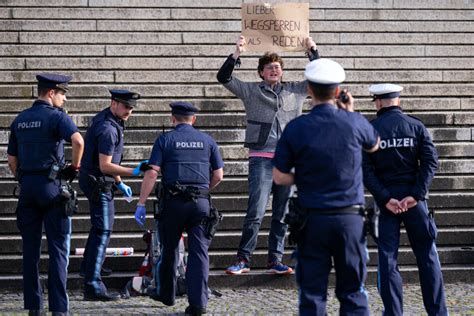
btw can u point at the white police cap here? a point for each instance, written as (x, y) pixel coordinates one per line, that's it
(325, 72)
(385, 91)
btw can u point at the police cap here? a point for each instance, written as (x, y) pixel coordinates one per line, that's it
(124, 96)
(325, 72)
(53, 81)
(183, 108)
(385, 91)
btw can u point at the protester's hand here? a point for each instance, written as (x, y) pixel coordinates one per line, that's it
(349, 104)
(239, 46)
(140, 214)
(394, 206)
(310, 43)
(126, 190)
(70, 173)
(408, 202)
(141, 167)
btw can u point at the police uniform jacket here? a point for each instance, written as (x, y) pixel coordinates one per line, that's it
(187, 156)
(104, 136)
(406, 161)
(325, 148)
(37, 137)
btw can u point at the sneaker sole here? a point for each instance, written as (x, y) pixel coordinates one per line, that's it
(290, 271)
(237, 272)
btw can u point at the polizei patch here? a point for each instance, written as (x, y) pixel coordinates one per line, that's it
(396, 143)
(189, 145)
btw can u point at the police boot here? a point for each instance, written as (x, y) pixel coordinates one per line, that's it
(34, 312)
(103, 297)
(195, 310)
(60, 313)
(155, 296)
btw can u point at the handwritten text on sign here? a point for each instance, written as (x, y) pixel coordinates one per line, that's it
(275, 27)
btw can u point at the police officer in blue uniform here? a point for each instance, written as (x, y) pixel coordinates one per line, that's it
(324, 148)
(100, 173)
(36, 157)
(399, 176)
(189, 160)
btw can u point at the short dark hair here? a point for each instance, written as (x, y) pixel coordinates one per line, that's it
(183, 118)
(321, 92)
(43, 90)
(268, 58)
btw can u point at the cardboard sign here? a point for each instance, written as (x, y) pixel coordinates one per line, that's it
(275, 27)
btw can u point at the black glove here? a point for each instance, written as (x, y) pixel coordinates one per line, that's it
(69, 173)
(145, 167)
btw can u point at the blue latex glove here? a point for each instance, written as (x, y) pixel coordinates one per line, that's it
(126, 190)
(142, 166)
(140, 214)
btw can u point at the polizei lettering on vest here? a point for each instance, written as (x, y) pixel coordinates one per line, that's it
(189, 145)
(31, 124)
(396, 143)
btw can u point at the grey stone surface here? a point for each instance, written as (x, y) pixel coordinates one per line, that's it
(108, 63)
(448, 4)
(52, 3)
(54, 50)
(91, 13)
(414, 63)
(101, 37)
(170, 25)
(156, 3)
(399, 15)
(9, 37)
(12, 63)
(252, 301)
(47, 25)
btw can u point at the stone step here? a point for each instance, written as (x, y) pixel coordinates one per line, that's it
(219, 261)
(227, 37)
(239, 186)
(11, 244)
(209, 62)
(363, 103)
(232, 203)
(256, 278)
(214, 13)
(201, 76)
(238, 152)
(240, 168)
(95, 50)
(238, 120)
(233, 221)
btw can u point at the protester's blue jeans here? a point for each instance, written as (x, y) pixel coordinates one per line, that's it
(260, 186)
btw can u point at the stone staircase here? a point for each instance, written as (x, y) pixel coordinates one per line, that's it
(171, 50)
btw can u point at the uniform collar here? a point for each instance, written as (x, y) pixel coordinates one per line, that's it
(42, 103)
(393, 108)
(275, 89)
(324, 107)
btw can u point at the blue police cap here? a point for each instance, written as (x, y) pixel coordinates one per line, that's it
(183, 108)
(385, 91)
(125, 96)
(53, 81)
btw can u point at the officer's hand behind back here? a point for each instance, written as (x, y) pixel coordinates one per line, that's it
(69, 173)
(140, 214)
